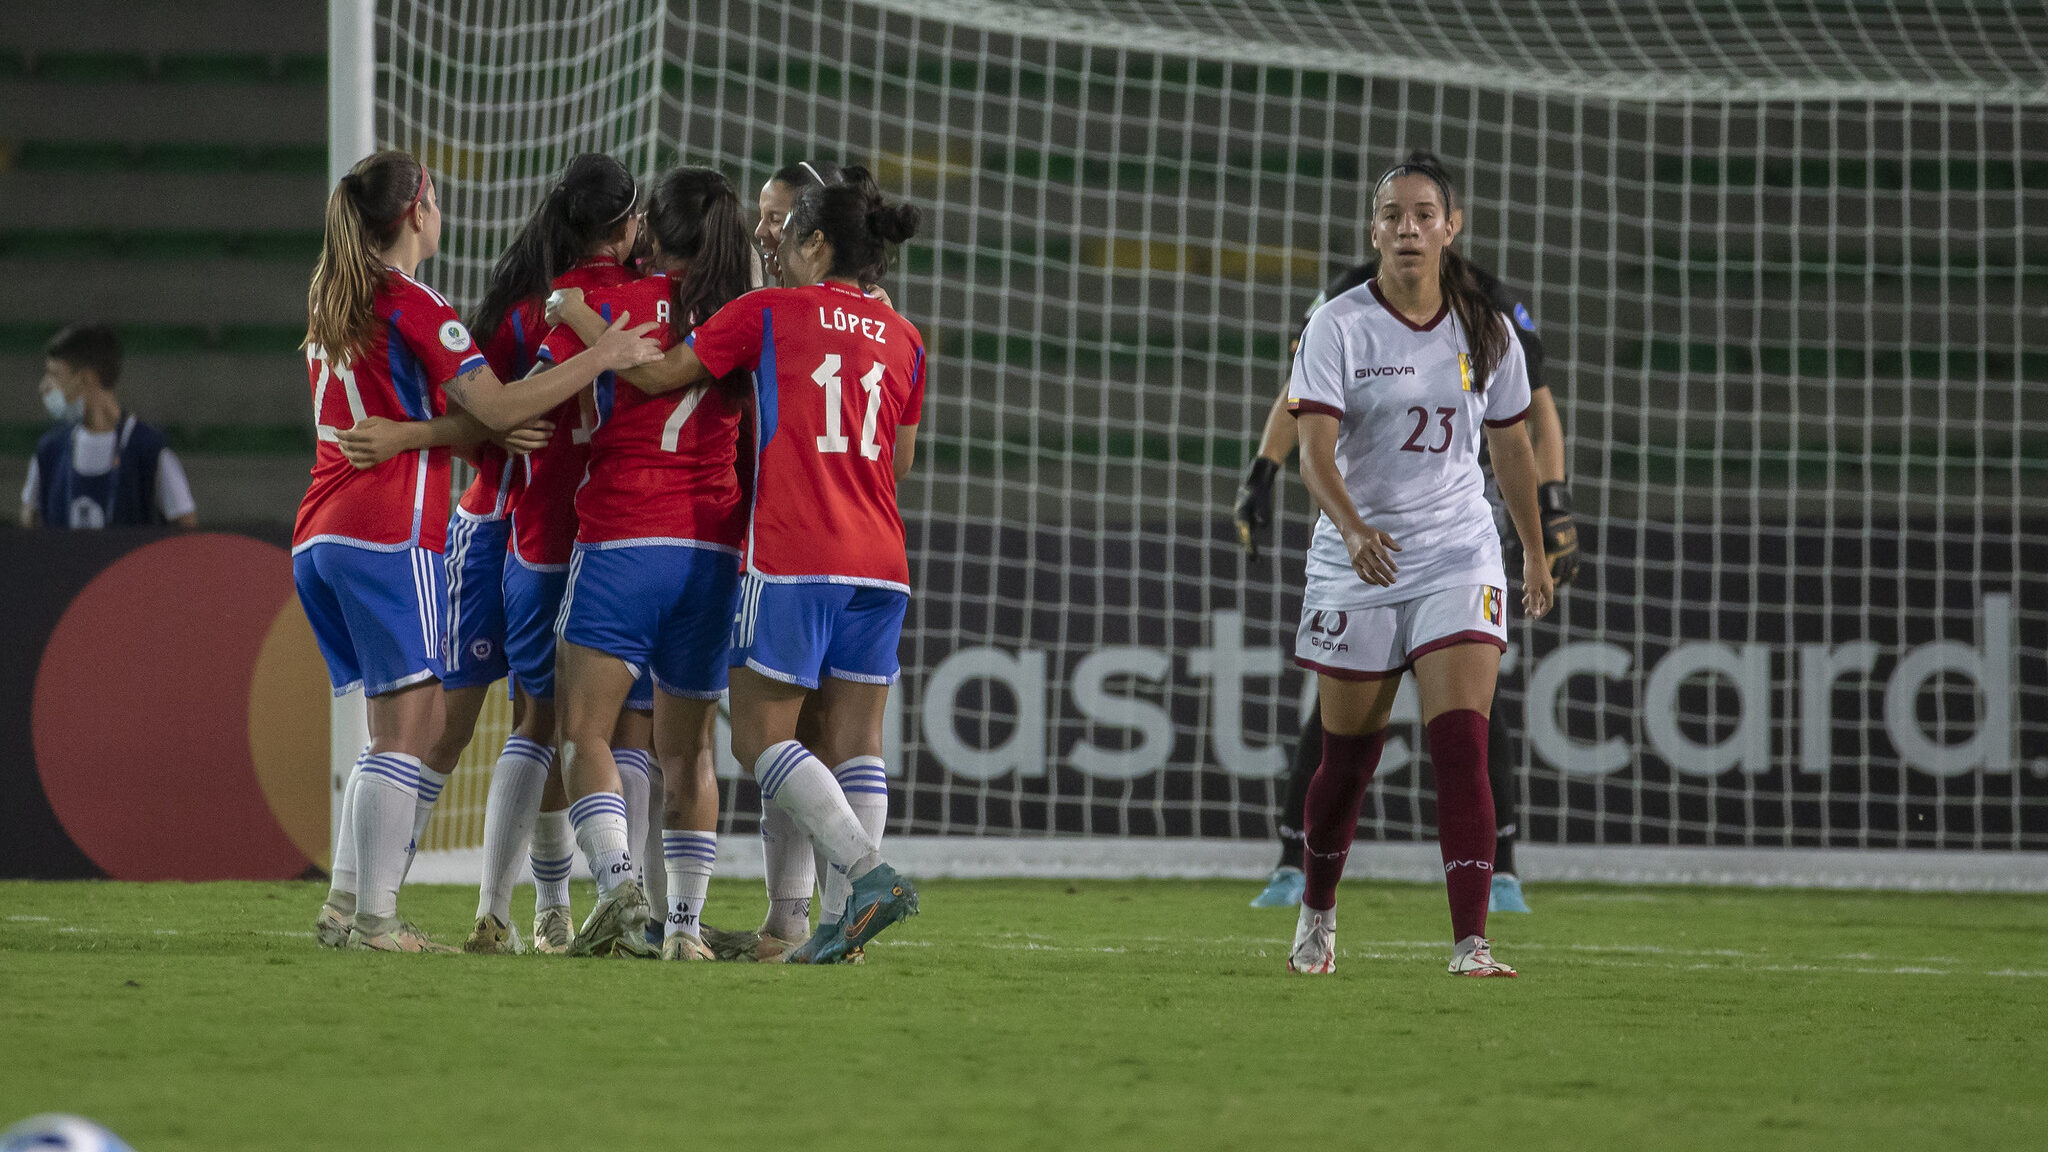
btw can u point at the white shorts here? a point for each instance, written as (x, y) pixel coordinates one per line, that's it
(1374, 643)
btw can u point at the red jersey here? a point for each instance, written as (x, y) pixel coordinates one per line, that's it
(835, 374)
(511, 351)
(663, 469)
(417, 344)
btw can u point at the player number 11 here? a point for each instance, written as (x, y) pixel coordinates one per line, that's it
(834, 439)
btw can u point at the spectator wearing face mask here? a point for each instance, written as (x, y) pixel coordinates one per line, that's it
(99, 466)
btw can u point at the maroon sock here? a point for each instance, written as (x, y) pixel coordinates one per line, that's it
(1464, 816)
(1334, 798)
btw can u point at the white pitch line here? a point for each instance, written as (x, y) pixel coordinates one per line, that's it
(1596, 955)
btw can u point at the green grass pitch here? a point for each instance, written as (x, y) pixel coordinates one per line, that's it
(1019, 1014)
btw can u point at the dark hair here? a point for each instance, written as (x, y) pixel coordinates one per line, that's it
(363, 216)
(1483, 326)
(823, 174)
(696, 216)
(808, 174)
(856, 221)
(585, 208)
(91, 346)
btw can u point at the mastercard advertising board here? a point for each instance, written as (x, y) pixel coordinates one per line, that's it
(163, 709)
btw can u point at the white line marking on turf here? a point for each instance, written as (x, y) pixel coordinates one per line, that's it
(1596, 955)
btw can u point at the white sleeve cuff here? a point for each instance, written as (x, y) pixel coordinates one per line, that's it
(173, 492)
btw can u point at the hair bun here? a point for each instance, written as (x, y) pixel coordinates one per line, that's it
(894, 223)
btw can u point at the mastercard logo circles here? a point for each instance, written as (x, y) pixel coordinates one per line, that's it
(180, 716)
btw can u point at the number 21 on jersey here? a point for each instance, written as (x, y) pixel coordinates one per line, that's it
(834, 439)
(317, 355)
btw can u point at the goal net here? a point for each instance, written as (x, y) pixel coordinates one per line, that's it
(1779, 257)
(495, 96)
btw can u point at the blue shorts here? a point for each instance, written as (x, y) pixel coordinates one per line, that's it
(533, 609)
(532, 597)
(664, 609)
(377, 615)
(473, 631)
(799, 633)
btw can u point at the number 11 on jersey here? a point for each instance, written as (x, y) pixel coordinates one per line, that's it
(834, 439)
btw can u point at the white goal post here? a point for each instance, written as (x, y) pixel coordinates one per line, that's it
(1777, 256)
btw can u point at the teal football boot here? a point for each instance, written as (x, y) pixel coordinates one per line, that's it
(1283, 889)
(1506, 895)
(880, 898)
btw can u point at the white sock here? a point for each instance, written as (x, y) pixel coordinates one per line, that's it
(341, 889)
(688, 858)
(830, 880)
(509, 813)
(788, 919)
(600, 820)
(554, 854)
(867, 792)
(385, 802)
(650, 848)
(789, 866)
(794, 780)
(1305, 919)
(431, 783)
(633, 785)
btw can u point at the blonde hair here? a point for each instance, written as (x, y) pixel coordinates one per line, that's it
(363, 216)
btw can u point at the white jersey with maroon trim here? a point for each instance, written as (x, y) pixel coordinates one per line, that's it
(1408, 441)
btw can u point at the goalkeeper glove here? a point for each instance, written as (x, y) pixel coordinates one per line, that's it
(1560, 534)
(1254, 508)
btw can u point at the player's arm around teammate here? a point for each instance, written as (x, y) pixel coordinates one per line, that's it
(790, 865)
(366, 545)
(660, 517)
(838, 376)
(1391, 388)
(374, 439)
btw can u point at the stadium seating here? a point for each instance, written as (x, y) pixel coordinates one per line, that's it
(163, 171)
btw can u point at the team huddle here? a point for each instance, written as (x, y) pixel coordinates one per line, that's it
(685, 491)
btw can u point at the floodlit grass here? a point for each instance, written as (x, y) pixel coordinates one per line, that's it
(1046, 1015)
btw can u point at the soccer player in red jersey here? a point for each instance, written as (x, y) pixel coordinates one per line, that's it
(366, 548)
(790, 865)
(838, 390)
(501, 619)
(579, 237)
(661, 515)
(1395, 382)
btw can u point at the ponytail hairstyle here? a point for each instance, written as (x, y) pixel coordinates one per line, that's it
(695, 215)
(585, 208)
(858, 223)
(364, 214)
(1483, 327)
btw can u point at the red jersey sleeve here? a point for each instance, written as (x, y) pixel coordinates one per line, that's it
(436, 335)
(913, 404)
(561, 344)
(731, 339)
